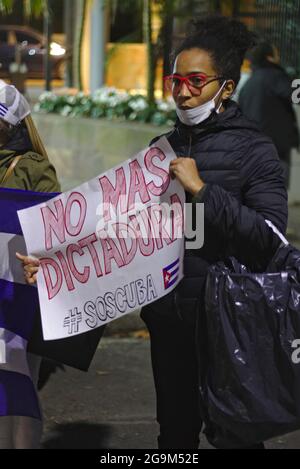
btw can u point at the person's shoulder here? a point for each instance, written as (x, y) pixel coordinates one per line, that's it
(260, 157)
(256, 141)
(33, 156)
(251, 144)
(42, 172)
(35, 163)
(276, 72)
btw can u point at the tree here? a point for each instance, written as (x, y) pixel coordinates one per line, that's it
(150, 51)
(168, 10)
(31, 7)
(80, 17)
(146, 7)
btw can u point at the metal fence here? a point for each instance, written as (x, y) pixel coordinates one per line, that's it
(277, 21)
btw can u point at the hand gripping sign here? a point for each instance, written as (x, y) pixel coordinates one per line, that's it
(110, 246)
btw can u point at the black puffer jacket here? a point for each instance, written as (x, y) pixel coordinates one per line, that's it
(244, 186)
(266, 99)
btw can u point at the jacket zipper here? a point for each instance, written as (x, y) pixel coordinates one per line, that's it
(190, 146)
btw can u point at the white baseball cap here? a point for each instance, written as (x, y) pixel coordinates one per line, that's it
(13, 106)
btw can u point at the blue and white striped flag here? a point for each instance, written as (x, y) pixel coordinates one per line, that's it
(18, 307)
(3, 110)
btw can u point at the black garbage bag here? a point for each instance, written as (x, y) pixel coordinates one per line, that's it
(249, 374)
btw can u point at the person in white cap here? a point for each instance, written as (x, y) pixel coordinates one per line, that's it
(24, 164)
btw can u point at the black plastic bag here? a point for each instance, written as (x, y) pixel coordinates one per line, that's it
(249, 378)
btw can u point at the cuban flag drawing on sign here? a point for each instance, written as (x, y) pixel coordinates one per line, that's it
(170, 273)
(18, 307)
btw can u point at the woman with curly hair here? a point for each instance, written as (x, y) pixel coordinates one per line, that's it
(226, 163)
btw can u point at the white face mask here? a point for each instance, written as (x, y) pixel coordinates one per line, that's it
(198, 114)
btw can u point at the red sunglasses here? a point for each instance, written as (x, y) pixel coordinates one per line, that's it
(194, 82)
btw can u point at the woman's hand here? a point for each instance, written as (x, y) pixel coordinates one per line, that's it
(186, 172)
(31, 267)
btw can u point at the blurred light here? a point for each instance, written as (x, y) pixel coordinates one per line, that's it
(56, 49)
(31, 52)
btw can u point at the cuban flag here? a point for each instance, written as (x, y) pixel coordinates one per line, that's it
(18, 307)
(3, 110)
(170, 273)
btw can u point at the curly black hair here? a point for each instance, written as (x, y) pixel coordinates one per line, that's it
(225, 39)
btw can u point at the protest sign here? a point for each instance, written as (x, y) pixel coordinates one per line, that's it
(110, 246)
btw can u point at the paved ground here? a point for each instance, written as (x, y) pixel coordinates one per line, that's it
(112, 406)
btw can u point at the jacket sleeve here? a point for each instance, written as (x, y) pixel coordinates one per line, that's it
(242, 224)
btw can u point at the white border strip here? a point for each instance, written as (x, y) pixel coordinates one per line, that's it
(13, 355)
(10, 268)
